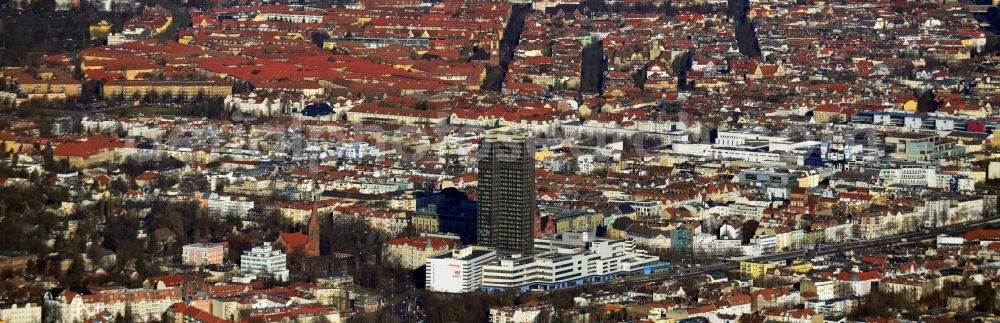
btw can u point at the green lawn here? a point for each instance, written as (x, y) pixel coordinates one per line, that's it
(154, 110)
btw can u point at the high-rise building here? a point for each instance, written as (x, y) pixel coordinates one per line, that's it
(506, 204)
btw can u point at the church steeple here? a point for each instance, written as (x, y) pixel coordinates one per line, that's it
(312, 248)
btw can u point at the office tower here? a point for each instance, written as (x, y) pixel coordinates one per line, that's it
(506, 204)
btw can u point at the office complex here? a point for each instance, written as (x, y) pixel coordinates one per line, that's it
(568, 259)
(563, 260)
(506, 204)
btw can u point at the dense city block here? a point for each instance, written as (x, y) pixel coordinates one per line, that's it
(209, 161)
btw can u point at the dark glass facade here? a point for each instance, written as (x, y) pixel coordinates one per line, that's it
(506, 205)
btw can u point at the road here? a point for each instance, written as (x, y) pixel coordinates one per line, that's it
(405, 308)
(828, 250)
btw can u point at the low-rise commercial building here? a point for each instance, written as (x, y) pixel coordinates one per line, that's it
(460, 271)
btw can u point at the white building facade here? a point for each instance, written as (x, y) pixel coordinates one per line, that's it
(264, 261)
(567, 259)
(28, 313)
(144, 304)
(460, 271)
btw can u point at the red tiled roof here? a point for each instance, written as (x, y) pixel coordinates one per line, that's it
(873, 259)
(292, 240)
(147, 176)
(196, 314)
(858, 276)
(176, 280)
(769, 293)
(739, 298)
(93, 145)
(979, 234)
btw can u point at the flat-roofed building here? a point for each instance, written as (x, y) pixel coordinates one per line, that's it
(460, 271)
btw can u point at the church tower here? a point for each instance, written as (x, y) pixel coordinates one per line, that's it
(312, 247)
